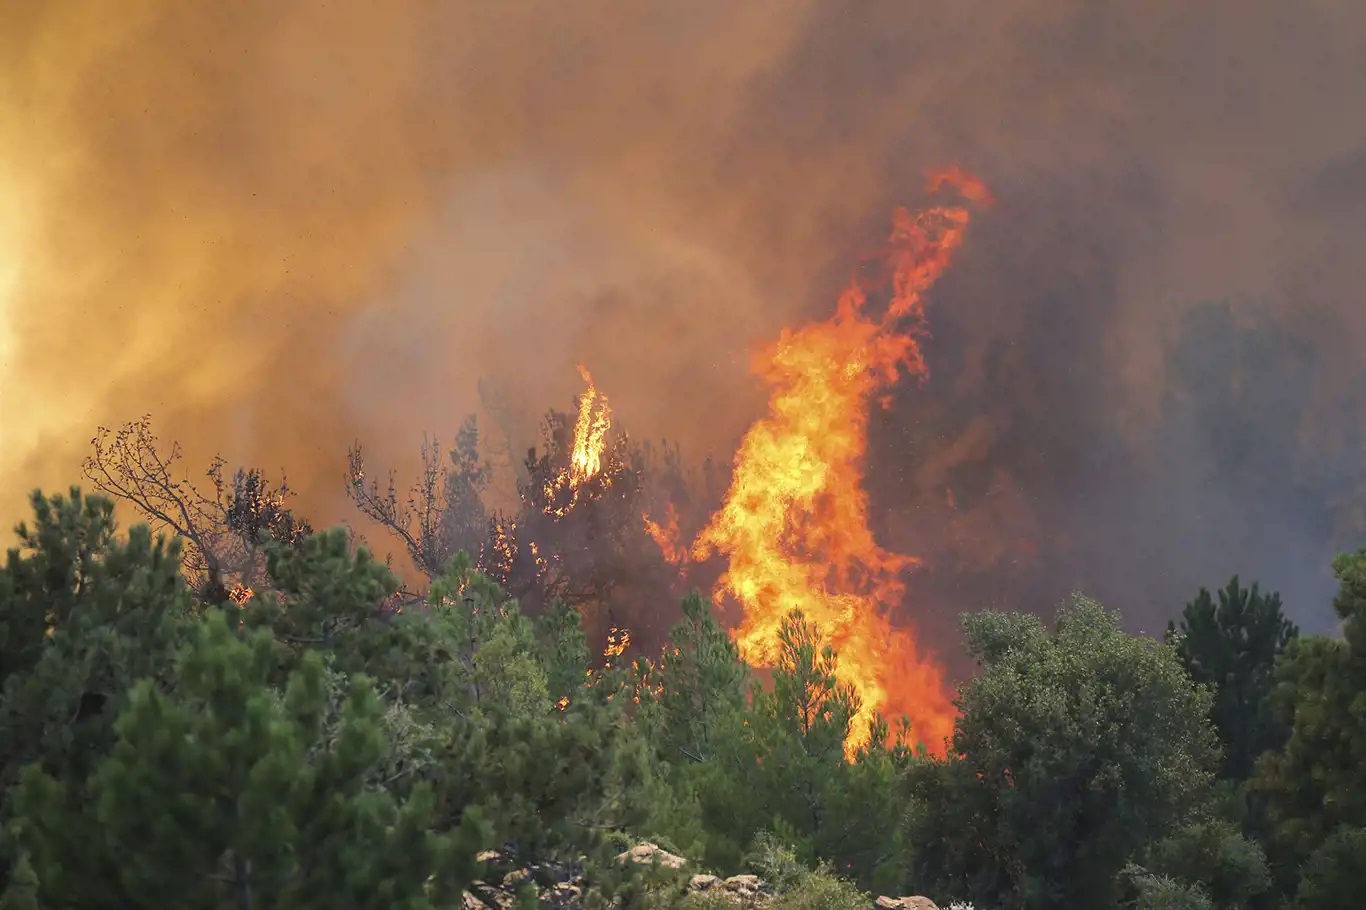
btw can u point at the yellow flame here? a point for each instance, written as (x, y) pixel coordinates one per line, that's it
(590, 432)
(618, 640)
(794, 527)
(590, 444)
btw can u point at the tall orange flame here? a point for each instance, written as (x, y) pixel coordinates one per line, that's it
(794, 524)
(590, 444)
(665, 536)
(590, 432)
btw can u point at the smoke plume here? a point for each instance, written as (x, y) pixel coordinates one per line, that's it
(279, 228)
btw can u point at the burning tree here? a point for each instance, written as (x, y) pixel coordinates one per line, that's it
(224, 531)
(578, 534)
(572, 535)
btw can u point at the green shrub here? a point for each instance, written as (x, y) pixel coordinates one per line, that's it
(819, 891)
(1332, 876)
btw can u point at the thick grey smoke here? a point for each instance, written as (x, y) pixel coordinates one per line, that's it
(280, 228)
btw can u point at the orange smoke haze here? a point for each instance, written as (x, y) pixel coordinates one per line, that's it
(279, 228)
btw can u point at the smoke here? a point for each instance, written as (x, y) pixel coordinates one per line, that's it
(282, 227)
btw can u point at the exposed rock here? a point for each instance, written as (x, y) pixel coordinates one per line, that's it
(515, 879)
(747, 890)
(744, 883)
(702, 882)
(905, 903)
(560, 886)
(650, 853)
(565, 894)
(486, 897)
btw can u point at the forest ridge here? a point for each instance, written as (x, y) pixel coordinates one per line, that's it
(324, 739)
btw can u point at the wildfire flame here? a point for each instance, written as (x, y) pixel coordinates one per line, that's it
(665, 536)
(590, 432)
(618, 640)
(590, 442)
(794, 524)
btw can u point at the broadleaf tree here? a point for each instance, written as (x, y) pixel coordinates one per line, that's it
(1075, 748)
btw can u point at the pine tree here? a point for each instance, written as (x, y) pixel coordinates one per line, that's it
(324, 597)
(775, 766)
(560, 772)
(693, 709)
(226, 791)
(830, 809)
(799, 730)
(84, 615)
(698, 686)
(21, 893)
(1331, 877)
(1316, 782)
(1232, 647)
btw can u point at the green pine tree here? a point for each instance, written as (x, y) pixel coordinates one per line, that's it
(21, 893)
(1316, 782)
(226, 791)
(693, 702)
(698, 686)
(798, 730)
(84, 615)
(561, 772)
(1232, 647)
(1331, 877)
(779, 767)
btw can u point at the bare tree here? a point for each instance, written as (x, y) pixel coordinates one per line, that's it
(442, 513)
(224, 529)
(497, 438)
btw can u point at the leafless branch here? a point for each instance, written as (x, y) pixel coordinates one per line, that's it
(223, 532)
(442, 513)
(414, 521)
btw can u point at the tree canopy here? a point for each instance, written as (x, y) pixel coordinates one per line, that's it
(319, 744)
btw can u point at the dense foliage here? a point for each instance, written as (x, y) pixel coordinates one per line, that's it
(308, 743)
(1233, 647)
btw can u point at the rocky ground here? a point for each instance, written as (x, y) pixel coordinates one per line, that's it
(560, 886)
